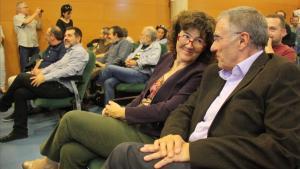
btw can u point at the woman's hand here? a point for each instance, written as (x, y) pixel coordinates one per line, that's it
(114, 110)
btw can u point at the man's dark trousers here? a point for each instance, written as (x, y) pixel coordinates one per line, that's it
(21, 90)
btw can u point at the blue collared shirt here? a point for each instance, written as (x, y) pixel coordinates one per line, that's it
(72, 63)
(232, 78)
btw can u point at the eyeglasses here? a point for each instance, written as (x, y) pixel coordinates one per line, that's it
(186, 39)
(218, 37)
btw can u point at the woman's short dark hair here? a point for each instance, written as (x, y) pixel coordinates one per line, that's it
(164, 28)
(65, 8)
(196, 20)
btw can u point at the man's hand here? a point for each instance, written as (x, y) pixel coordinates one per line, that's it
(130, 63)
(99, 64)
(100, 55)
(114, 110)
(36, 70)
(38, 12)
(183, 156)
(37, 80)
(166, 146)
(269, 48)
(171, 148)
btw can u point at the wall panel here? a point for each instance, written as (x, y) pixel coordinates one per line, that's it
(265, 6)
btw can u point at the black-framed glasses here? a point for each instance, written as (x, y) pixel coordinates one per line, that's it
(186, 39)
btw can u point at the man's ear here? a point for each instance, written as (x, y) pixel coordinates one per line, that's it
(244, 40)
(283, 32)
(78, 39)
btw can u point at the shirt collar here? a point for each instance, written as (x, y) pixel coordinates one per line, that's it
(241, 69)
(73, 47)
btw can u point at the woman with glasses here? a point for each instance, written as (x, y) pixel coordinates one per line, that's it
(82, 136)
(65, 20)
(161, 32)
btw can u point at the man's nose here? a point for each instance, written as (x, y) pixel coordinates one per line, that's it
(213, 47)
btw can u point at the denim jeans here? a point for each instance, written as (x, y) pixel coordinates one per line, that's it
(113, 75)
(25, 54)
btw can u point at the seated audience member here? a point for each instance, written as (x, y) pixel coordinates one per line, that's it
(44, 83)
(102, 44)
(162, 34)
(276, 30)
(81, 137)
(245, 114)
(55, 51)
(65, 20)
(100, 47)
(118, 51)
(294, 23)
(125, 31)
(138, 65)
(290, 37)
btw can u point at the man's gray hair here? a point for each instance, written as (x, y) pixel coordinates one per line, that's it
(248, 19)
(19, 3)
(151, 32)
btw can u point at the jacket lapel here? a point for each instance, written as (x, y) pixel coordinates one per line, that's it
(257, 66)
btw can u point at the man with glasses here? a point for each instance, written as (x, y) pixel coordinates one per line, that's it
(245, 114)
(26, 27)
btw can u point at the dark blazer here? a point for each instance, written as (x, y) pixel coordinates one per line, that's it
(173, 92)
(258, 126)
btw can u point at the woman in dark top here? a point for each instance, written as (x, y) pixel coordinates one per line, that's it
(83, 136)
(65, 20)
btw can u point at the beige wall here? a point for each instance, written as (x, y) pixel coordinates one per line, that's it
(89, 15)
(177, 6)
(265, 6)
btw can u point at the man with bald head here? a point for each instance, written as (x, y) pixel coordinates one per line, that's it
(55, 51)
(245, 114)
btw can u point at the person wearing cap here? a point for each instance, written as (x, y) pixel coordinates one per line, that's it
(65, 20)
(161, 34)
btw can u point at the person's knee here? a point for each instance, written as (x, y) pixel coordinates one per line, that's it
(23, 78)
(10, 80)
(71, 116)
